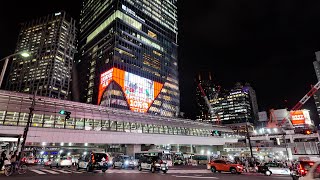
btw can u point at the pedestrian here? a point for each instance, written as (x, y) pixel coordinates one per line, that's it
(3, 157)
(14, 158)
(247, 165)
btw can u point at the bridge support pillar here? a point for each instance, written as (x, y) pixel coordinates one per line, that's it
(133, 148)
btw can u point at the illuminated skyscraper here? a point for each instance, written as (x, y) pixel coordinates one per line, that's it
(129, 55)
(316, 65)
(51, 40)
(236, 106)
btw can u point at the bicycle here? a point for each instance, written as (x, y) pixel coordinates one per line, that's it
(20, 167)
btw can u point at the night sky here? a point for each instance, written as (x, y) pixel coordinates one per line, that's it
(268, 43)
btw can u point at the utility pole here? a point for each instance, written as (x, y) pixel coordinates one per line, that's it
(26, 129)
(248, 137)
(285, 144)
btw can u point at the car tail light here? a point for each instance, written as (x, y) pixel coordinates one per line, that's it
(301, 170)
(92, 158)
(36, 161)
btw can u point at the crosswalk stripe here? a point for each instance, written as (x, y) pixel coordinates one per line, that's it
(38, 172)
(78, 172)
(49, 171)
(62, 171)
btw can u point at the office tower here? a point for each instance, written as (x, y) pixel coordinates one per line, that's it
(236, 106)
(210, 90)
(51, 41)
(129, 55)
(316, 65)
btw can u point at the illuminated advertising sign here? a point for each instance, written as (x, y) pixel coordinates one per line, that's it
(139, 92)
(300, 117)
(105, 79)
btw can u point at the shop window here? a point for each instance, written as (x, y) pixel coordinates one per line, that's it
(11, 119)
(120, 126)
(48, 121)
(23, 119)
(80, 123)
(70, 123)
(88, 124)
(59, 122)
(97, 125)
(2, 116)
(105, 125)
(37, 120)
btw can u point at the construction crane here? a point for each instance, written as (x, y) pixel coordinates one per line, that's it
(204, 96)
(298, 106)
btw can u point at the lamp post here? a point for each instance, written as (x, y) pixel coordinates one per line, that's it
(24, 54)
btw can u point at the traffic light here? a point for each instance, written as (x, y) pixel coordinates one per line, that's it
(215, 133)
(67, 113)
(62, 112)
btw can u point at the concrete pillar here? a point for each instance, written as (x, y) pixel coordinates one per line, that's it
(132, 149)
(191, 149)
(291, 139)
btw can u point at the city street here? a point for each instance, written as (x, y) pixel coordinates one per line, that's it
(174, 173)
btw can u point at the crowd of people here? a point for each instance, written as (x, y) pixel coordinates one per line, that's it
(251, 164)
(12, 157)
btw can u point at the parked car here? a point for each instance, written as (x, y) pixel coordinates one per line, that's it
(61, 162)
(273, 168)
(152, 163)
(225, 166)
(123, 162)
(93, 161)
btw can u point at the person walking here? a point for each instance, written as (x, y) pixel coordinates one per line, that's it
(14, 158)
(3, 157)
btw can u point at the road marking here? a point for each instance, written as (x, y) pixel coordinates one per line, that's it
(195, 177)
(189, 171)
(49, 171)
(38, 172)
(62, 171)
(77, 172)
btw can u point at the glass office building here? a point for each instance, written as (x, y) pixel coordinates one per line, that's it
(128, 55)
(236, 106)
(51, 41)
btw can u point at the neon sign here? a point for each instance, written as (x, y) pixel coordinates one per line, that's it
(139, 92)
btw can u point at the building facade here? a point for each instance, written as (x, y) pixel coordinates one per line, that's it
(236, 106)
(210, 90)
(129, 55)
(316, 65)
(51, 41)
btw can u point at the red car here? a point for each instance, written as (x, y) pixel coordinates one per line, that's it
(225, 166)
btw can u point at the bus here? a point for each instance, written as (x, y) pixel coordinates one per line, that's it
(164, 155)
(198, 159)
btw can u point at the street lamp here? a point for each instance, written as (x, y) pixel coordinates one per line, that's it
(24, 54)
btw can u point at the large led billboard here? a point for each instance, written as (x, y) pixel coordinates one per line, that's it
(139, 92)
(300, 117)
